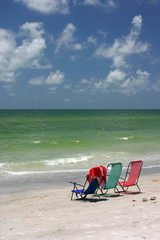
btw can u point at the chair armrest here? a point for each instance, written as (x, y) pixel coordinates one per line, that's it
(73, 182)
(76, 184)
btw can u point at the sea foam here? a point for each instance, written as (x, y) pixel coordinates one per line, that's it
(2, 164)
(125, 138)
(63, 161)
(36, 142)
(20, 173)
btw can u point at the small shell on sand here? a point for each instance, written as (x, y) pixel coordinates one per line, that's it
(153, 198)
(144, 200)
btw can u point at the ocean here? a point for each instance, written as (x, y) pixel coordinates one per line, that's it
(45, 148)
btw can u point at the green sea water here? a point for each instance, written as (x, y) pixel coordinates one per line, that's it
(46, 142)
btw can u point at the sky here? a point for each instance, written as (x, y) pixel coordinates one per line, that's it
(80, 54)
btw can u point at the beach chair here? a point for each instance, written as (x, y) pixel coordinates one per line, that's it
(113, 173)
(82, 193)
(132, 176)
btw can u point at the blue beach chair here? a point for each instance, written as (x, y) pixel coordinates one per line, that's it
(82, 193)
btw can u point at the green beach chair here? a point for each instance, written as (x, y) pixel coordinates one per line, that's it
(113, 173)
(131, 177)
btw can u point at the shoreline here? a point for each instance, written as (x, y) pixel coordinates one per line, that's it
(20, 183)
(35, 182)
(49, 213)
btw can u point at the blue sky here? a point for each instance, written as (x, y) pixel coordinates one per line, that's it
(79, 54)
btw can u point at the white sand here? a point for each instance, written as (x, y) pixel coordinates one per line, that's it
(50, 215)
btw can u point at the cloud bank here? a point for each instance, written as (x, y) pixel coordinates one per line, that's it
(47, 6)
(120, 79)
(26, 55)
(124, 47)
(63, 6)
(30, 53)
(53, 80)
(67, 39)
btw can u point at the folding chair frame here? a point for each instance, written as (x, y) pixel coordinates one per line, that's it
(82, 193)
(122, 184)
(108, 175)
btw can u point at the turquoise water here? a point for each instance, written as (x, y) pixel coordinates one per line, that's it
(44, 143)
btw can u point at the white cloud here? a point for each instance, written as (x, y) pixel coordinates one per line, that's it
(73, 58)
(115, 76)
(154, 1)
(67, 86)
(107, 4)
(27, 55)
(32, 29)
(156, 86)
(47, 6)
(85, 81)
(67, 100)
(137, 83)
(91, 2)
(67, 39)
(8, 88)
(102, 34)
(86, 85)
(7, 42)
(7, 48)
(92, 40)
(112, 4)
(124, 47)
(37, 81)
(112, 81)
(31, 47)
(55, 78)
(137, 22)
(53, 89)
(118, 81)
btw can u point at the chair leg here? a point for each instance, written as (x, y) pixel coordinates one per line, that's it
(73, 190)
(101, 192)
(121, 186)
(116, 190)
(124, 189)
(72, 195)
(138, 187)
(97, 194)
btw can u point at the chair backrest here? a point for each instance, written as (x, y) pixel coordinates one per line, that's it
(115, 172)
(134, 170)
(92, 187)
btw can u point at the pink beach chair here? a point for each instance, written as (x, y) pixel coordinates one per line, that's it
(131, 177)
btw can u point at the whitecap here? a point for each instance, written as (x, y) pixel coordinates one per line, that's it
(63, 161)
(20, 173)
(76, 141)
(36, 142)
(2, 164)
(125, 138)
(54, 142)
(152, 166)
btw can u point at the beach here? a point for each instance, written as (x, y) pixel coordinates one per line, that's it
(43, 150)
(49, 213)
